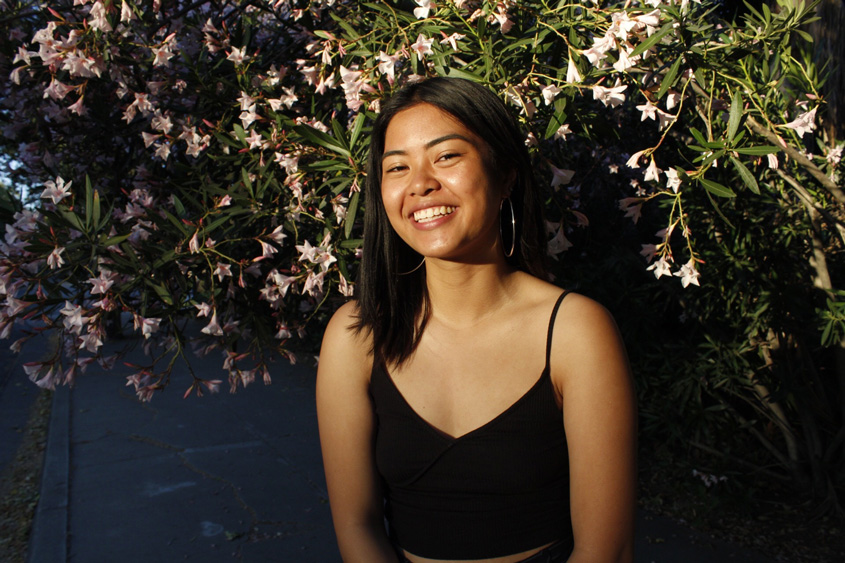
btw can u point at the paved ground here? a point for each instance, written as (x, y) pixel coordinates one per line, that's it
(215, 479)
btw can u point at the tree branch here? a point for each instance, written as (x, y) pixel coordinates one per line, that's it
(794, 154)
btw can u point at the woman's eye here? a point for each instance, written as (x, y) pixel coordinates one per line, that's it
(449, 156)
(394, 168)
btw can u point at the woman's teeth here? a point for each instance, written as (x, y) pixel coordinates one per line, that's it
(432, 213)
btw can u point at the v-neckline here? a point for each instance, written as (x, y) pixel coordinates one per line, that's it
(454, 439)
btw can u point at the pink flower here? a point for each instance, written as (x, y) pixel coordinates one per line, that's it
(98, 17)
(387, 64)
(804, 123)
(147, 326)
(203, 309)
(101, 284)
(222, 271)
(452, 40)
(237, 56)
(54, 260)
(57, 190)
(422, 46)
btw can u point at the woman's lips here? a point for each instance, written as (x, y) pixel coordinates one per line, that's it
(432, 213)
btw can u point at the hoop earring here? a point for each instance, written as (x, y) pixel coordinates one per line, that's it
(414, 270)
(509, 252)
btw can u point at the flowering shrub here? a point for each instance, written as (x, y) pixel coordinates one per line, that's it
(198, 164)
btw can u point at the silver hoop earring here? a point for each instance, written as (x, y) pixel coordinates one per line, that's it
(509, 252)
(414, 270)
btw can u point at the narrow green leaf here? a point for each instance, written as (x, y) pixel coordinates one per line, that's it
(357, 127)
(653, 40)
(89, 202)
(458, 73)
(716, 188)
(160, 290)
(96, 211)
(111, 241)
(322, 139)
(351, 212)
(669, 80)
(735, 115)
(746, 175)
(177, 203)
(72, 218)
(758, 151)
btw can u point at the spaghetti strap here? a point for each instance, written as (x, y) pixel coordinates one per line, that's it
(551, 329)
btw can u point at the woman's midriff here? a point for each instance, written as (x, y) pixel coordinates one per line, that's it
(515, 558)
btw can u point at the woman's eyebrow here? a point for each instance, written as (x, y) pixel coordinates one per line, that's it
(432, 143)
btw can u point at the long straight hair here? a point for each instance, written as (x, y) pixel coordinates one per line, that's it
(393, 305)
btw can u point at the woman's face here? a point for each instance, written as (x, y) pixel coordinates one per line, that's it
(437, 188)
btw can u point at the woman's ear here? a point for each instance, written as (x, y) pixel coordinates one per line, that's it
(509, 183)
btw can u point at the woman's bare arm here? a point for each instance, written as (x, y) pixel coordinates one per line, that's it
(346, 421)
(599, 413)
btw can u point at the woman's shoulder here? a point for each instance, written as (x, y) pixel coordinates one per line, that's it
(345, 342)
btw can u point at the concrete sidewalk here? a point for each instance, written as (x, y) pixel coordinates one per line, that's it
(219, 478)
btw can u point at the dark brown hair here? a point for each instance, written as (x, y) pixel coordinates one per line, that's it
(394, 307)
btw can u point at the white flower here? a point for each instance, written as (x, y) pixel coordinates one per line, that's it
(424, 7)
(773, 161)
(549, 93)
(688, 274)
(609, 96)
(673, 181)
(660, 268)
(804, 123)
(563, 131)
(649, 111)
(422, 46)
(652, 172)
(572, 74)
(57, 190)
(560, 176)
(55, 260)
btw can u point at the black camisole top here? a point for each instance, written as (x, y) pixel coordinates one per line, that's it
(500, 489)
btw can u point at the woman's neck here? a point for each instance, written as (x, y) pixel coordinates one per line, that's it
(463, 295)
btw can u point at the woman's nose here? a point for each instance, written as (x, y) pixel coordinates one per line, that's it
(424, 182)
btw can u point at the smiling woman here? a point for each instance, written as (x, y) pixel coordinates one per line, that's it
(460, 397)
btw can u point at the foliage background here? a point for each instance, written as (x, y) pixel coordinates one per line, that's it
(193, 172)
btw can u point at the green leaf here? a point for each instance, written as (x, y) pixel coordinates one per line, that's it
(758, 151)
(458, 73)
(746, 175)
(111, 241)
(651, 41)
(160, 290)
(735, 115)
(96, 211)
(89, 201)
(322, 139)
(177, 203)
(716, 188)
(351, 212)
(669, 80)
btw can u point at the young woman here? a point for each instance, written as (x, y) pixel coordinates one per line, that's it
(461, 398)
